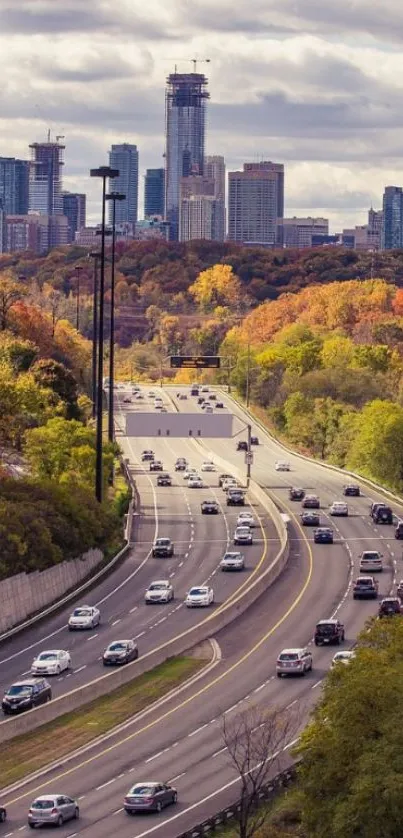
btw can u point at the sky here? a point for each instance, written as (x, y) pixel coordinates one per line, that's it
(314, 84)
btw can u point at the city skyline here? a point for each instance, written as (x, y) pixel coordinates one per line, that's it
(320, 92)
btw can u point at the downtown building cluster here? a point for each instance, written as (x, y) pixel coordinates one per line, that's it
(191, 197)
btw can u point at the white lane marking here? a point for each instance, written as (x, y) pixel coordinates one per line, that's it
(139, 635)
(93, 636)
(257, 690)
(318, 683)
(117, 811)
(81, 797)
(80, 668)
(150, 759)
(103, 786)
(198, 729)
(132, 610)
(231, 708)
(116, 622)
(178, 776)
(221, 751)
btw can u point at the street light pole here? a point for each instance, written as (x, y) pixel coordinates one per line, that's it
(103, 172)
(95, 255)
(113, 196)
(248, 376)
(78, 270)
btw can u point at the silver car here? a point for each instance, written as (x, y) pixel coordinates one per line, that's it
(52, 808)
(232, 561)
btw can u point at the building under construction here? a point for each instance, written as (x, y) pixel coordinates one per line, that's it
(185, 112)
(45, 182)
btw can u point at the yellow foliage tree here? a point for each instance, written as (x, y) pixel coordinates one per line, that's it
(217, 286)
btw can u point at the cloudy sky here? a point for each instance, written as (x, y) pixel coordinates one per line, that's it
(315, 84)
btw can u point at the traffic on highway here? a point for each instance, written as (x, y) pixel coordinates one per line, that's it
(198, 537)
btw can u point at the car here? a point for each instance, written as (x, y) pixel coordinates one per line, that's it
(282, 465)
(235, 497)
(51, 663)
(204, 390)
(223, 477)
(328, 631)
(156, 465)
(208, 408)
(254, 440)
(351, 490)
(182, 396)
(323, 535)
(139, 396)
(243, 535)
(399, 530)
(246, 518)
(26, 694)
(52, 809)
(195, 482)
(3, 814)
(201, 400)
(160, 591)
(147, 456)
(311, 502)
(151, 394)
(295, 493)
(149, 797)
(163, 410)
(365, 587)
(119, 652)
(181, 464)
(208, 466)
(213, 397)
(210, 507)
(194, 391)
(382, 515)
(231, 483)
(389, 607)
(127, 400)
(371, 561)
(399, 589)
(219, 404)
(338, 508)
(164, 480)
(84, 617)
(190, 472)
(293, 662)
(163, 548)
(232, 561)
(345, 657)
(310, 519)
(200, 596)
(242, 445)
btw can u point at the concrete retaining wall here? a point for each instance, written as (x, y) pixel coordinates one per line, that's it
(25, 594)
(213, 623)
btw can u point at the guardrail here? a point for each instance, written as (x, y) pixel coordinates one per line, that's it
(219, 619)
(267, 793)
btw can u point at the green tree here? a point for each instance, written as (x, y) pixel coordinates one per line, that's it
(377, 447)
(55, 376)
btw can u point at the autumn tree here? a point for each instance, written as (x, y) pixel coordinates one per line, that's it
(54, 376)
(377, 447)
(216, 286)
(10, 292)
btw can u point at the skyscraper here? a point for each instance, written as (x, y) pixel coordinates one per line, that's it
(392, 226)
(186, 97)
(125, 158)
(154, 193)
(14, 182)
(214, 168)
(256, 202)
(45, 184)
(74, 208)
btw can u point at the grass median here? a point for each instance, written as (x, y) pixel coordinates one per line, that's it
(31, 751)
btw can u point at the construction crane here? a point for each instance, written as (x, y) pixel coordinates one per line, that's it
(60, 137)
(194, 61)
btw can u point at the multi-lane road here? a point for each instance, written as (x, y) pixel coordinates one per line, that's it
(182, 741)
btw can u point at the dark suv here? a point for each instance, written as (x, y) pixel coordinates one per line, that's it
(296, 494)
(381, 514)
(352, 490)
(365, 587)
(399, 530)
(235, 497)
(328, 631)
(389, 607)
(163, 548)
(24, 695)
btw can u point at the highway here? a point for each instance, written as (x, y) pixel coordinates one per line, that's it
(182, 742)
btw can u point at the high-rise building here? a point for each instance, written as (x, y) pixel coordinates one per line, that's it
(74, 208)
(186, 97)
(154, 193)
(14, 183)
(366, 236)
(214, 168)
(299, 232)
(256, 203)
(199, 218)
(392, 227)
(45, 184)
(125, 158)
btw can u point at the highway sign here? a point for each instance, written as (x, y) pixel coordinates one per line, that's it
(195, 362)
(249, 458)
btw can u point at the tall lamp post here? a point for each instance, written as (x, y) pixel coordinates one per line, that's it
(113, 196)
(103, 172)
(78, 270)
(95, 255)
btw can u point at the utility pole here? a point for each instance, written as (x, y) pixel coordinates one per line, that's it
(78, 270)
(95, 255)
(248, 376)
(249, 456)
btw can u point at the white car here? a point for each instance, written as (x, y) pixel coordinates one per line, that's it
(190, 472)
(243, 535)
(343, 657)
(245, 519)
(195, 482)
(231, 483)
(338, 508)
(208, 408)
(232, 561)
(281, 465)
(208, 466)
(84, 617)
(160, 591)
(52, 662)
(293, 662)
(199, 597)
